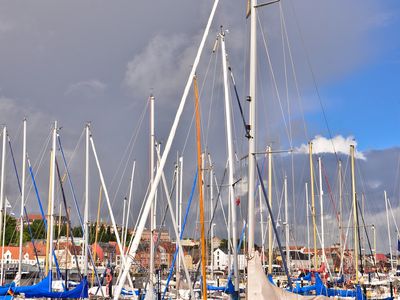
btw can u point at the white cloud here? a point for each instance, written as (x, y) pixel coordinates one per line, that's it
(88, 87)
(338, 144)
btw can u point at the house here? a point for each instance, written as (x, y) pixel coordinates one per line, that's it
(10, 255)
(221, 261)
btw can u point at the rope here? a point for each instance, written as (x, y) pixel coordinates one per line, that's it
(171, 270)
(25, 211)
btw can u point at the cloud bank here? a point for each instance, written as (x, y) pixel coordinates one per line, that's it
(339, 144)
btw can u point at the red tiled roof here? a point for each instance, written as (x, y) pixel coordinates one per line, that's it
(98, 250)
(381, 257)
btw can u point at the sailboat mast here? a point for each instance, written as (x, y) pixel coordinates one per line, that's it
(21, 221)
(286, 223)
(252, 123)
(152, 224)
(228, 120)
(51, 200)
(86, 214)
(270, 236)
(321, 204)
(354, 200)
(3, 163)
(388, 229)
(314, 221)
(177, 270)
(200, 185)
(308, 224)
(180, 203)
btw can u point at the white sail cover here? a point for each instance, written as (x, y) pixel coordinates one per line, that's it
(259, 287)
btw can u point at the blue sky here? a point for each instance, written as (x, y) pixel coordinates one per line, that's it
(366, 101)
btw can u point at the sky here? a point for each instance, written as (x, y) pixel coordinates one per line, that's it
(98, 62)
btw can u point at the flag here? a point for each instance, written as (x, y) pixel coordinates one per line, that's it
(237, 201)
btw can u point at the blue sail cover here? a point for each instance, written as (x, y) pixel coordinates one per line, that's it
(5, 288)
(228, 289)
(41, 290)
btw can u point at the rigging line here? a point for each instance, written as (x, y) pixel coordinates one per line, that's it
(212, 93)
(245, 125)
(394, 219)
(25, 211)
(162, 224)
(368, 240)
(131, 145)
(212, 90)
(219, 189)
(138, 217)
(289, 116)
(194, 113)
(359, 237)
(314, 81)
(330, 193)
(37, 164)
(181, 234)
(68, 219)
(286, 80)
(273, 225)
(74, 152)
(299, 98)
(274, 82)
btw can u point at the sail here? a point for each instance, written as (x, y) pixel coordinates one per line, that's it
(259, 287)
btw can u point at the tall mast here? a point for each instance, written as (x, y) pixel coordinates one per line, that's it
(388, 230)
(177, 190)
(51, 200)
(3, 163)
(286, 223)
(270, 236)
(252, 123)
(86, 214)
(200, 185)
(152, 210)
(308, 224)
(354, 200)
(180, 203)
(313, 205)
(21, 221)
(321, 204)
(228, 120)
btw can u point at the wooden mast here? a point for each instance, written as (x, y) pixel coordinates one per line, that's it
(314, 221)
(200, 185)
(354, 199)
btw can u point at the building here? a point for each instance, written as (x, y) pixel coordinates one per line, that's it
(10, 255)
(221, 261)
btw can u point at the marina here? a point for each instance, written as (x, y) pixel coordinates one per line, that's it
(229, 156)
